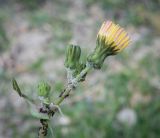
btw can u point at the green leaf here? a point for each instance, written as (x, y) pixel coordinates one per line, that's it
(38, 115)
(16, 87)
(18, 90)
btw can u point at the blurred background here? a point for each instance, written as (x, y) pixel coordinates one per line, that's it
(120, 101)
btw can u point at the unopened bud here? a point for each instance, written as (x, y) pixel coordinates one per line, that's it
(72, 56)
(44, 89)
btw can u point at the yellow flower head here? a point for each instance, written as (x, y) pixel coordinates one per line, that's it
(113, 36)
(111, 39)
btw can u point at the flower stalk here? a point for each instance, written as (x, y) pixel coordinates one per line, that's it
(63, 95)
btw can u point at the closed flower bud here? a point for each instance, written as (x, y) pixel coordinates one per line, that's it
(73, 63)
(72, 56)
(111, 39)
(44, 89)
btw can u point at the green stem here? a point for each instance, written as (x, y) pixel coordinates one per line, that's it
(65, 94)
(70, 86)
(60, 99)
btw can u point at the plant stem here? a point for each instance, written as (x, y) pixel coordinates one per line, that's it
(44, 122)
(65, 93)
(72, 85)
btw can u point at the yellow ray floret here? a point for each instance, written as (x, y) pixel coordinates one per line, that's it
(112, 35)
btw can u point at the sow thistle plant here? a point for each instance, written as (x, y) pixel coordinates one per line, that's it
(111, 40)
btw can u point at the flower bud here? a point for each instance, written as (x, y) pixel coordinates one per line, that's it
(111, 39)
(73, 63)
(44, 89)
(72, 56)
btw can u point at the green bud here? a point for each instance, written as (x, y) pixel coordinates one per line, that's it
(72, 61)
(44, 89)
(72, 56)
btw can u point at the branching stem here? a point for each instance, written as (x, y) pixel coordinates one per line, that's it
(65, 93)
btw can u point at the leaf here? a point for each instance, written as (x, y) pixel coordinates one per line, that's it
(16, 87)
(28, 98)
(18, 90)
(37, 114)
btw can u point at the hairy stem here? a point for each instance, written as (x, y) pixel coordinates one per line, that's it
(72, 85)
(65, 93)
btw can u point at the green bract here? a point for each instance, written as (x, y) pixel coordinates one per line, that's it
(100, 53)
